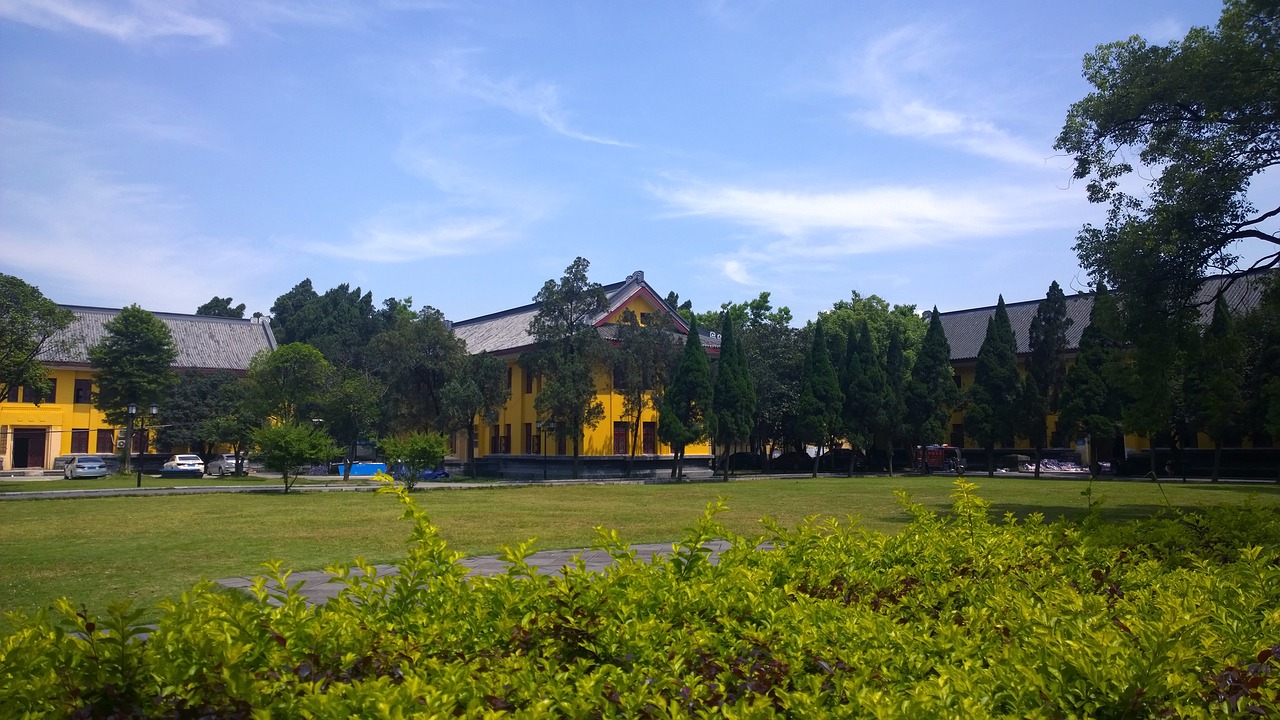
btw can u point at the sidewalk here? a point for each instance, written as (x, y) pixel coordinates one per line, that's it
(319, 586)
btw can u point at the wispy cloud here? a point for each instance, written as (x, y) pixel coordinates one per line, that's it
(403, 234)
(134, 22)
(537, 100)
(902, 75)
(868, 219)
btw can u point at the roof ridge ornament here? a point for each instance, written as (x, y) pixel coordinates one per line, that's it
(637, 276)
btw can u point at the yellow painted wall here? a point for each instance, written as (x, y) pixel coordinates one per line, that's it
(57, 418)
(597, 441)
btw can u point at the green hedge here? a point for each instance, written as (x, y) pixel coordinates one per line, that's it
(956, 616)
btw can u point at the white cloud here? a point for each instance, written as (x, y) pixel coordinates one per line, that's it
(736, 271)
(865, 220)
(137, 21)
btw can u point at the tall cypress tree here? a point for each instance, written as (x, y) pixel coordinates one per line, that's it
(1046, 368)
(733, 403)
(819, 410)
(1093, 391)
(1217, 397)
(686, 405)
(931, 392)
(993, 397)
(863, 382)
(895, 400)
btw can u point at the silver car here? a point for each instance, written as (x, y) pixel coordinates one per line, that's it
(85, 466)
(224, 464)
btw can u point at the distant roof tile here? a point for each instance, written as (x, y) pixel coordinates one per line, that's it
(204, 342)
(966, 329)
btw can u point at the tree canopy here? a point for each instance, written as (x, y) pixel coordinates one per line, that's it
(568, 351)
(29, 323)
(733, 399)
(821, 399)
(134, 362)
(1198, 120)
(931, 392)
(221, 307)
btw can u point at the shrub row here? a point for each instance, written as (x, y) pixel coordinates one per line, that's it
(958, 615)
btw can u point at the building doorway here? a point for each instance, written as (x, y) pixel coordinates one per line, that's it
(28, 448)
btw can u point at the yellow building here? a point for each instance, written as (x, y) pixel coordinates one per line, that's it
(519, 443)
(34, 431)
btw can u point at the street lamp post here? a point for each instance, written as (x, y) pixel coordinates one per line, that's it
(133, 411)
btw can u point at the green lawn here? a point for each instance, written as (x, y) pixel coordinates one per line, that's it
(128, 480)
(99, 549)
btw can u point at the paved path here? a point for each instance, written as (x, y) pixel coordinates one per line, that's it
(319, 586)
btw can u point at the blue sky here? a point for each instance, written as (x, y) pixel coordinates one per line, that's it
(166, 151)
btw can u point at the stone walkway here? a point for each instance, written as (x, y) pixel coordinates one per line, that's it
(319, 586)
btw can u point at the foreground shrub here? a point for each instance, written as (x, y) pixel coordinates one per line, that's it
(956, 616)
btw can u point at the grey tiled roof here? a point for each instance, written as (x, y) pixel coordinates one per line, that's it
(211, 343)
(508, 331)
(965, 329)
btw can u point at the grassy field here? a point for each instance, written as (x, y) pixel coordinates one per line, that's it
(127, 480)
(144, 548)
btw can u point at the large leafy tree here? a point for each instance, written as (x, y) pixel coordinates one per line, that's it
(196, 399)
(412, 453)
(1198, 119)
(29, 324)
(350, 410)
(1046, 368)
(288, 383)
(414, 358)
(733, 401)
(993, 397)
(134, 361)
(642, 361)
(569, 351)
(686, 405)
(1217, 383)
(863, 380)
(818, 412)
(221, 307)
(478, 391)
(931, 392)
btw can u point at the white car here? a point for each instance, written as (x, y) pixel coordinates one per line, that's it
(184, 463)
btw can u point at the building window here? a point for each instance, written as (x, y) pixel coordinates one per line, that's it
(644, 318)
(506, 438)
(106, 441)
(79, 441)
(52, 397)
(528, 382)
(956, 378)
(620, 432)
(13, 394)
(562, 445)
(509, 371)
(649, 431)
(495, 442)
(957, 435)
(83, 392)
(528, 438)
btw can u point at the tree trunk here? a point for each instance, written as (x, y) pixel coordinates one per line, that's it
(346, 465)
(724, 464)
(816, 458)
(889, 447)
(471, 451)
(128, 446)
(1037, 462)
(577, 441)
(853, 458)
(1217, 458)
(991, 461)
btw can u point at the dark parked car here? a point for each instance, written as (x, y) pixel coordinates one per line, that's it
(838, 460)
(791, 462)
